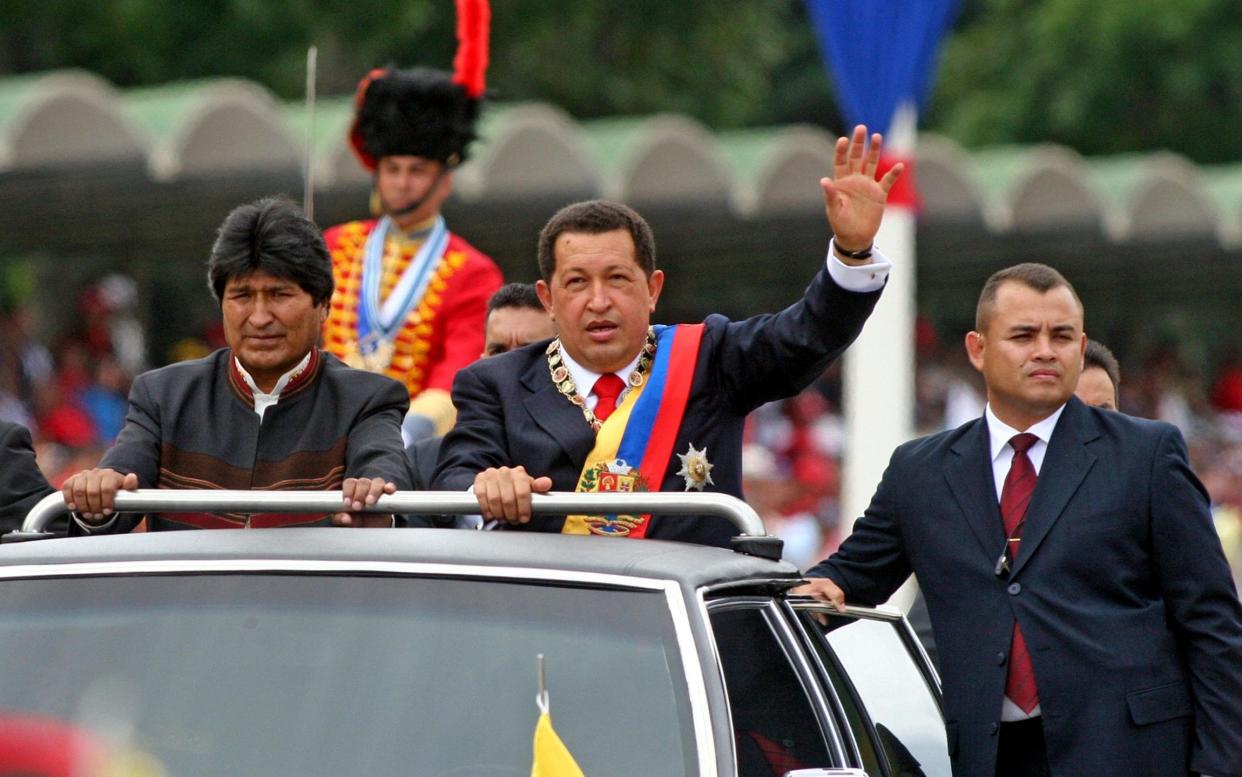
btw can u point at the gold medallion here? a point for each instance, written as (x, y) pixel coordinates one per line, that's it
(564, 381)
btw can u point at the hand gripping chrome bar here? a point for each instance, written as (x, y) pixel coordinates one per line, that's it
(742, 515)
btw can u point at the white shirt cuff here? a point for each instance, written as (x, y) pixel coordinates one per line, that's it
(863, 278)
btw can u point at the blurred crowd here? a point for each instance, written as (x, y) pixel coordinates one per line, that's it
(71, 391)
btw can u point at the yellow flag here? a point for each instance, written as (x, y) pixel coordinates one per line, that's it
(552, 758)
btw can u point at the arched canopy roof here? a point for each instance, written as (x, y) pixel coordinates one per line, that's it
(332, 158)
(62, 118)
(1036, 188)
(212, 127)
(663, 158)
(1155, 197)
(778, 170)
(528, 149)
(1224, 185)
(945, 176)
(51, 122)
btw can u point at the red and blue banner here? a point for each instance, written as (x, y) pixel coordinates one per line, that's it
(880, 56)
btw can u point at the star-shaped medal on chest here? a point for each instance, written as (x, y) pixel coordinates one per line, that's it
(695, 468)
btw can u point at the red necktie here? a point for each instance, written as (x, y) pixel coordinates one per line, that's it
(1015, 497)
(607, 388)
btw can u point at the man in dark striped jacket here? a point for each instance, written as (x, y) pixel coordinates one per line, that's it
(271, 411)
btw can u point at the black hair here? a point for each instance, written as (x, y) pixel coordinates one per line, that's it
(271, 235)
(1033, 275)
(1099, 355)
(595, 217)
(515, 295)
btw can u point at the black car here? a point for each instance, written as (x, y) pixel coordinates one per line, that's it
(323, 652)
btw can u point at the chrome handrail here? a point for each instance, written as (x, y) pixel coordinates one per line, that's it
(742, 515)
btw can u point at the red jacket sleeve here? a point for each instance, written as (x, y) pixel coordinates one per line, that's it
(463, 313)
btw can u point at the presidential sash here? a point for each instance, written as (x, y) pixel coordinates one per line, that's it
(633, 447)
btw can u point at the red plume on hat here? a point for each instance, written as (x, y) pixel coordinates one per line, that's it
(425, 112)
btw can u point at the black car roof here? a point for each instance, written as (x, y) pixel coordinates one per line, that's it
(692, 566)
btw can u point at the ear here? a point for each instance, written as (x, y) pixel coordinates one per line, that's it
(655, 284)
(545, 296)
(974, 349)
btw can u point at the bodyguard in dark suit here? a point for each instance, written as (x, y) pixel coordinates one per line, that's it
(21, 482)
(536, 419)
(1083, 611)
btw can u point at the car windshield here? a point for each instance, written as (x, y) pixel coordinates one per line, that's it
(308, 675)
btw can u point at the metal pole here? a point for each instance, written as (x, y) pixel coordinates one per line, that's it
(742, 515)
(308, 175)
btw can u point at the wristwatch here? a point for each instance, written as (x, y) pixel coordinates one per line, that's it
(862, 254)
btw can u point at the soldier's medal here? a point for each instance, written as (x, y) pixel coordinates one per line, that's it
(374, 353)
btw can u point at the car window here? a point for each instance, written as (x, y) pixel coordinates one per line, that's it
(867, 660)
(321, 676)
(775, 727)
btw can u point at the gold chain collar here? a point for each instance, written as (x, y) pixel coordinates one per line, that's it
(564, 381)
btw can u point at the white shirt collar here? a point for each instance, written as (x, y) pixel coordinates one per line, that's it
(263, 400)
(1000, 433)
(585, 379)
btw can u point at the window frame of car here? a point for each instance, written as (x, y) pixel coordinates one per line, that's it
(680, 607)
(814, 688)
(783, 615)
(817, 646)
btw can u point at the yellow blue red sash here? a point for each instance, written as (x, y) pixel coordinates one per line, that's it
(633, 447)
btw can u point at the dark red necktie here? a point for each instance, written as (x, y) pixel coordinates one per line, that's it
(1015, 497)
(607, 388)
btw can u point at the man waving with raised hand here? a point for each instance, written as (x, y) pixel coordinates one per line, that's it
(615, 404)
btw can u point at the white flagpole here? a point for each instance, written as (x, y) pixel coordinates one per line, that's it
(878, 374)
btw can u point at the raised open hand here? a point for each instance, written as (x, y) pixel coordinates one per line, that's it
(853, 198)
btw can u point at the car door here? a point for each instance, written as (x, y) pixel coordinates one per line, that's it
(885, 690)
(780, 710)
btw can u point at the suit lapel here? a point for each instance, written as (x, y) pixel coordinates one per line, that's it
(969, 474)
(1065, 465)
(556, 415)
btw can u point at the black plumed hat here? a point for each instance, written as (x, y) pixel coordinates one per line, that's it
(423, 112)
(419, 112)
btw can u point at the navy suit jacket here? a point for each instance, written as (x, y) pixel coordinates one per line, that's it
(1122, 589)
(510, 413)
(22, 484)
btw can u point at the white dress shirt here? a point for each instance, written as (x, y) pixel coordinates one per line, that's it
(999, 435)
(263, 400)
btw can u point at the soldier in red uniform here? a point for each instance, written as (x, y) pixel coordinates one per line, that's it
(411, 297)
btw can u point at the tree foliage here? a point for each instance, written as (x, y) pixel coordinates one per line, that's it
(1102, 76)
(715, 61)
(1105, 76)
